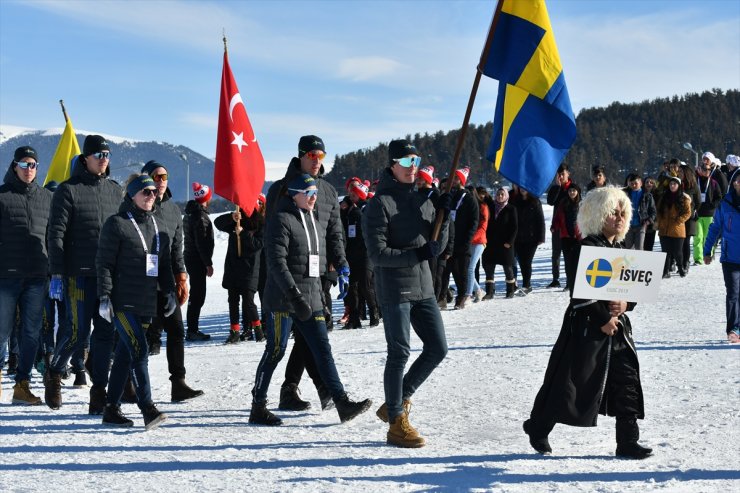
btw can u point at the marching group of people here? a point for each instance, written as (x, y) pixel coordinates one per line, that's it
(118, 262)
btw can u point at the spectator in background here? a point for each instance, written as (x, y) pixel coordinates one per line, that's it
(530, 232)
(598, 178)
(730, 169)
(478, 244)
(199, 244)
(501, 235)
(464, 213)
(674, 209)
(710, 193)
(690, 187)
(726, 224)
(649, 188)
(643, 212)
(566, 222)
(556, 194)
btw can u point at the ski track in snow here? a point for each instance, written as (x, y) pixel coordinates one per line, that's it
(470, 411)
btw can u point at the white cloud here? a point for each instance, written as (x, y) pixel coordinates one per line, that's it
(366, 68)
(206, 121)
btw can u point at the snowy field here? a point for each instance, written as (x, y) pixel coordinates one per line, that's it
(470, 412)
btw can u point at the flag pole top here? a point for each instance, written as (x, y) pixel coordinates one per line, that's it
(64, 110)
(224, 35)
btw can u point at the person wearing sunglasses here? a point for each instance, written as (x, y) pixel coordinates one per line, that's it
(80, 206)
(296, 242)
(133, 263)
(397, 224)
(24, 214)
(311, 154)
(169, 219)
(711, 195)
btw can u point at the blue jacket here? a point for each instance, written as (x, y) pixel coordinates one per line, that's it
(726, 223)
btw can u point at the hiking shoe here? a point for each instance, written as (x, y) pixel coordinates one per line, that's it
(442, 304)
(153, 417)
(462, 302)
(541, 445)
(53, 389)
(402, 434)
(554, 284)
(112, 416)
(197, 336)
(155, 348)
(247, 334)
(234, 337)
(633, 450)
(97, 400)
(733, 337)
(325, 397)
(22, 394)
(80, 380)
(348, 409)
(182, 392)
(290, 399)
(478, 295)
(527, 289)
(259, 334)
(260, 415)
(382, 411)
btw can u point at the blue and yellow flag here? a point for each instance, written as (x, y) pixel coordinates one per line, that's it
(534, 125)
(68, 147)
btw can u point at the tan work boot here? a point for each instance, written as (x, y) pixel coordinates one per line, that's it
(402, 434)
(382, 411)
(22, 394)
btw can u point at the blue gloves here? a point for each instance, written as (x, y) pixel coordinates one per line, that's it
(105, 309)
(56, 288)
(343, 280)
(429, 251)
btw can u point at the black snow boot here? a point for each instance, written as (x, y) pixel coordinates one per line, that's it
(541, 444)
(129, 393)
(374, 318)
(325, 397)
(112, 416)
(290, 399)
(490, 290)
(628, 433)
(97, 400)
(53, 389)
(510, 289)
(153, 417)
(348, 409)
(260, 415)
(182, 392)
(259, 334)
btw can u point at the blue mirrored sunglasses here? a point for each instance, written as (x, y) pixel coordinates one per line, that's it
(408, 162)
(308, 193)
(102, 155)
(25, 165)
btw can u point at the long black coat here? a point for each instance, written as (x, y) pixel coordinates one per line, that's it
(501, 229)
(241, 272)
(198, 233)
(574, 391)
(466, 213)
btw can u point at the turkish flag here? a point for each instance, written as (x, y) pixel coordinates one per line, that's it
(240, 168)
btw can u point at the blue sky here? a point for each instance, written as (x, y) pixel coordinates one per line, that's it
(355, 73)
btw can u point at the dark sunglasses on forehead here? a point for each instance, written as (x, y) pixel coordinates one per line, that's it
(308, 193)
(25, 165)
(160, 177)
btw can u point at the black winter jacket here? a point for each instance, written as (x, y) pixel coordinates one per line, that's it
(24, 216)
(501, 229)
(79, 208)
(287, 255)
(530, 220)
(466, 213)
(356, 249)
(121, 261)
(326, 210)
(198, 233)
(395, 222)
(712, 196)
(241, 272)
(169, 219)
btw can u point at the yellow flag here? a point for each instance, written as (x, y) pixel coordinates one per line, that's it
(59, 168)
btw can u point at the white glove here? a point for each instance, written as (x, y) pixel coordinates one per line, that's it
(170, 304)
(105, 309)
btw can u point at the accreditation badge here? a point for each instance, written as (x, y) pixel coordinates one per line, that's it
(152, 265)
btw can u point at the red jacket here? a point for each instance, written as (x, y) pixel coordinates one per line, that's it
(479, 238)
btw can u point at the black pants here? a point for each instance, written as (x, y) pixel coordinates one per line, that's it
(686, 252)
(524, 255)
(175, 330)
(489, 266)
(361, 291)
(197, 273)
(649, 240)
(301, 358)
(249, 311)
(438, 272)
(673, 247)
(458, 266)
(570, 252)
(557, 248)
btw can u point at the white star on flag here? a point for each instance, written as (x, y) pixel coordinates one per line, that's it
(239, 140)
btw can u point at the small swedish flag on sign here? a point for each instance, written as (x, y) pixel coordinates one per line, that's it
(599, 273)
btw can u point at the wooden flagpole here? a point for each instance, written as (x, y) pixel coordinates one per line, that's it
(238, 225)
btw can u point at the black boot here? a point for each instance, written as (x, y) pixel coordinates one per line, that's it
(260, 415)
(325, 397)
(348, 409)
(628, 433)
(97, 400)
(182, 392)
(53, 389)
(374, 318)
(153, 417)
(247, 334)
(541, 445)
(12, 364)
(112, 416)
(510, 289)
(259, 334)
(490, 290)
(129, 393)
(290, 399)
(80, 379)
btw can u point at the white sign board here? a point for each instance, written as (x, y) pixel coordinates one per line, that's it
(618, 274)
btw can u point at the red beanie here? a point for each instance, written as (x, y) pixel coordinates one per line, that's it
(427, 172)
(463, 175)
(201, 193)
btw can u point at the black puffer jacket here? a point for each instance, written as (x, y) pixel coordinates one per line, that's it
(241, 272)
(198, 232)
(121, 261)
(287, 257)
(530, 219)
(395, 222)
(169, 219)
(356, 249)
(24, 215)
(79, 208)
(501, 229)
(326, 209)
(466, 212)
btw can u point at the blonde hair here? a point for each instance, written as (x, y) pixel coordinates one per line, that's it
(600, 203)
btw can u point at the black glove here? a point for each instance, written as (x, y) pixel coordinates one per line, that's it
(429, 251)
(301, 308)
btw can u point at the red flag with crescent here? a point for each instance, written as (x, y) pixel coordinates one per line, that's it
(240, 168)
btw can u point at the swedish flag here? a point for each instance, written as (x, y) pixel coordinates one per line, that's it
(534, 125)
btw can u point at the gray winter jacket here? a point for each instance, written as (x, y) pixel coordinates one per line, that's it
(395, 222)
(327, 212)
(24, 215)
(169, 219)
(287, 257)
(79, 208)
(121, 261)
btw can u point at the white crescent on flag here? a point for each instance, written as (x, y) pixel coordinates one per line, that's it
(236, 99)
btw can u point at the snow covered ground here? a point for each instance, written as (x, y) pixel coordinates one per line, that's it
(470, 412)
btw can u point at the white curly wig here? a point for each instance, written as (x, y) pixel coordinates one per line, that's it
(597, 205)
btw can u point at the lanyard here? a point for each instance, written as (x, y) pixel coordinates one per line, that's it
(460, 201)
(156, 233)
(429, 195)
(308, 236)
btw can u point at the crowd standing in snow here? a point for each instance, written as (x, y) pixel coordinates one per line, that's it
(118, 264)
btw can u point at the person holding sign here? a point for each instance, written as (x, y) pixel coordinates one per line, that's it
(593, 367)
